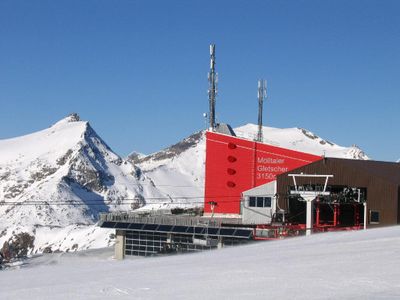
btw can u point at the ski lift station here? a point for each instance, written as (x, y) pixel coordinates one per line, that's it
(256, 191)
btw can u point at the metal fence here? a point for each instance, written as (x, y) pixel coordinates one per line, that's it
(168, 219)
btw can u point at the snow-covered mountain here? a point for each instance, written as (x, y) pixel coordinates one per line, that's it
(301, 140)
(179, 169)
(55, 182)
(61, 178)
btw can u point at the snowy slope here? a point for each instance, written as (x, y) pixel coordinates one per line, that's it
(340, 265)
(63, 176)
(54, 183)
(179, 170)
(301, 140)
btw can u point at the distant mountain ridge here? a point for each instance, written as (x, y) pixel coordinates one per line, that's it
(177, 171)
(184, 161)
(55, 182)
(301, 139)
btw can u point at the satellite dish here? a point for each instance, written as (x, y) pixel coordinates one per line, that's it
(205, 115)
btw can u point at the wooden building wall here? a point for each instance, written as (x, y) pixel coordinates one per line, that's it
(382, 194)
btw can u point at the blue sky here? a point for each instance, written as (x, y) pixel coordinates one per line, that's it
(137, 70)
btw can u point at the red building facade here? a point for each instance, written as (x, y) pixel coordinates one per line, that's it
(234, 165)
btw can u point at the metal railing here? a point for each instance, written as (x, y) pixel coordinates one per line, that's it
(168, 219)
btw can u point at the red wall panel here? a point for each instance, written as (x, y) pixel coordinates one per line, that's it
(234, 165)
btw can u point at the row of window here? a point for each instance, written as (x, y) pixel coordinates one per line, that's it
(260, 201)
(374, 216)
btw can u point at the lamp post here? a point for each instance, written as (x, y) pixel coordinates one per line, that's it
(213, 204)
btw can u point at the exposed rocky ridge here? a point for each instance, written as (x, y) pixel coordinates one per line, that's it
(178, 171)
(313, 136)
(169, 152)
(18, 246)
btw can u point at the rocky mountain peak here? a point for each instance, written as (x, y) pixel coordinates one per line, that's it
(70, 119)
(171, 151)
(74, 117)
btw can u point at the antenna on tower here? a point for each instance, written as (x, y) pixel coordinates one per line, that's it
(262, 94)
(212, 90)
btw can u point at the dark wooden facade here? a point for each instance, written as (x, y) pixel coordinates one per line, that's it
(381, 179)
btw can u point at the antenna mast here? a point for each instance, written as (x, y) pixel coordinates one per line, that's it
(212, 90)
(262, 94)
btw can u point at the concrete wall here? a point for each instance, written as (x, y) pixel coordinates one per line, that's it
(119, 244)
(259, 215)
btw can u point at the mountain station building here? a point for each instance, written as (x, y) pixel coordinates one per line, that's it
(255, 191)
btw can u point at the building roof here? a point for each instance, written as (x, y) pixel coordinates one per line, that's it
(268, 188)
(386, 170)
(389, 171)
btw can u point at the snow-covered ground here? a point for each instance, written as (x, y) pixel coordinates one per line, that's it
(341, 265)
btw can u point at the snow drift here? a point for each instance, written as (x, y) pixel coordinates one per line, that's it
(337, 265)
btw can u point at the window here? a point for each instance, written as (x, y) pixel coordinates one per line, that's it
(373, 217)
(252, 202)
(267, 201)
(260, 201)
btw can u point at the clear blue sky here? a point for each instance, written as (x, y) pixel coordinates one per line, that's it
(137, 70)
